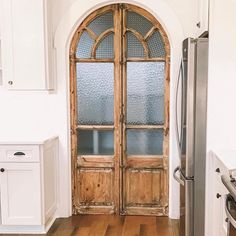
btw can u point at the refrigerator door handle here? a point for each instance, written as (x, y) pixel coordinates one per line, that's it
(176, 177)
(176, 104)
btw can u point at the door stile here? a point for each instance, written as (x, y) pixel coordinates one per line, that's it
(117, 105)
(124, 105)
(73, 116)
(166, 130)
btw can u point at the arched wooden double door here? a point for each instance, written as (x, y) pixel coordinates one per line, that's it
(119, 66)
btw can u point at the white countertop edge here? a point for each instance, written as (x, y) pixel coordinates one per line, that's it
(35, 141)
(227, 157)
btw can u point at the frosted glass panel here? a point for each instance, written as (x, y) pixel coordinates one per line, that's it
(156, 45)
(106, 47)
(134, 47)
(138, 22)
(95, 93)
(94, 142)
(84, 46)
(144, 142)
(102, 23)
(145, 92)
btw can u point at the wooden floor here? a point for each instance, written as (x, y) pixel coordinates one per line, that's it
(106, 225)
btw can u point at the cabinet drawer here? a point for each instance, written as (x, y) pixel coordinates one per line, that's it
(19, 153)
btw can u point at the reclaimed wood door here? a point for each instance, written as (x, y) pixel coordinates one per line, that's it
(119, 67)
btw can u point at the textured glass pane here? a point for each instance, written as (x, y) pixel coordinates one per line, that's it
(134, 47)
(156, 45)
(84, 46)
(101, 23)
(95, 93)
(106, 47)
(138, 22)
(144, 142)
(145, 91)
(94, 142)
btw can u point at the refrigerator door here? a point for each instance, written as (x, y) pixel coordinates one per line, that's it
(186, 219)
(200, 135)
(188, 109)
(186, 203)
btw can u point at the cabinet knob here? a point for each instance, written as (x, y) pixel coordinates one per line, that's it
(2, 169)
(218, 195)
(10, 82)
(217, 170)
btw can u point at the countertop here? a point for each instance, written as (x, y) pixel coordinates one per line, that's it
(227, 157)
(26, 141)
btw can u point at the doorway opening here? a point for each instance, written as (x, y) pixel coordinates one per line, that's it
(119, 88)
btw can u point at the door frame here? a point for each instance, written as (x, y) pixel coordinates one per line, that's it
(118, 83)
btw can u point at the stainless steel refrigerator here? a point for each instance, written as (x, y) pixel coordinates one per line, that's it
(191, 107)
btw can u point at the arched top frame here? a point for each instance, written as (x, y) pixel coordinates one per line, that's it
(143, 39)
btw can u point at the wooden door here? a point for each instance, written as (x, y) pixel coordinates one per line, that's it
(119, 61)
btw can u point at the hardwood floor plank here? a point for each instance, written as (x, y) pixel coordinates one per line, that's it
(98, 228)
(175, 228)
(131, 226)
(146, 230)
(81, 231)
(163, 227)
(112, 225)
(55, 225)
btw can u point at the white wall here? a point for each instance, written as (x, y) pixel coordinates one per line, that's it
(26, 115)
(222, 76)
(185, 10)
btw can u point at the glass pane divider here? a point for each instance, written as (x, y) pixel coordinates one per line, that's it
(95, 127)
(91, 33)
(99, 39)
(144, 156)
(94, 60)
(149, 33)
(144, 126)
(108, 158)
(140, 59)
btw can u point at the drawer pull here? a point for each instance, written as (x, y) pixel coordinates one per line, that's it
(19, 154)
(2, 169)
(218, 195)
(217, 170)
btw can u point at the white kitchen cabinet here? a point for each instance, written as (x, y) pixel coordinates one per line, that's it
(222, 163)
(20, 193)
(202, 17)
(27, 45)
(28, 186)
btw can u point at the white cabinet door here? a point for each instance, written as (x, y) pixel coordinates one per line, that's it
(25, 44)
(20, 193)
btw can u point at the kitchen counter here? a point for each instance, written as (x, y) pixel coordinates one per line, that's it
(227, 157)
(220, 163)
(28, 183)
(27, 141)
